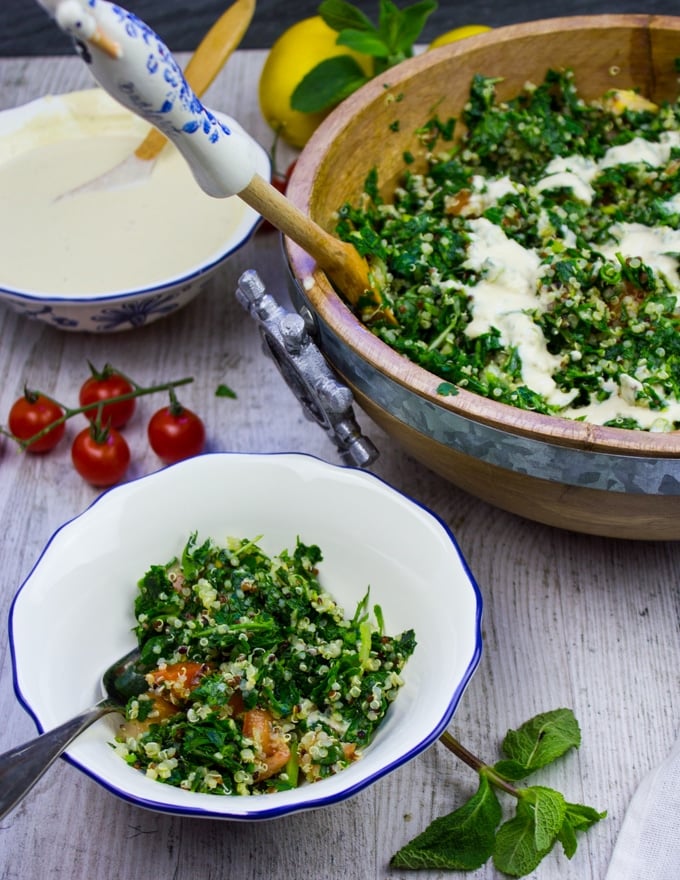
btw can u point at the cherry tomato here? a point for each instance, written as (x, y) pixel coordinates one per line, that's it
(100, 457)
(176, 433)
(32, 413)
(102, 386)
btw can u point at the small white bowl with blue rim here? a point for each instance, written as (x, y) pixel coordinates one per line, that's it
(77, 605)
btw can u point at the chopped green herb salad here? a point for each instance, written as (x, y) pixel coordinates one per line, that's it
(535, 261)
(257, 680)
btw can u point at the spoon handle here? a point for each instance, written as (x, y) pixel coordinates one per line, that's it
(146, 79)
(209, 58)
(341, 262)
(23, 766)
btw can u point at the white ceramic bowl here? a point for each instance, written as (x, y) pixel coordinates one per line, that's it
(113, 259)
(73, 615)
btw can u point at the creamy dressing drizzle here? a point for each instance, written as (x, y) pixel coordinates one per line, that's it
(503, 298)
(512, 275)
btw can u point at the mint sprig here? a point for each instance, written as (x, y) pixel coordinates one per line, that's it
(475, 832)
(388, 43)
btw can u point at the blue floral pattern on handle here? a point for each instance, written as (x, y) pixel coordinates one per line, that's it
(161, 63)
(139, 71)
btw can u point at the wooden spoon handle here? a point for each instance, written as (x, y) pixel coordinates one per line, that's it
(340, 260)
(221, 157)
(206, 62)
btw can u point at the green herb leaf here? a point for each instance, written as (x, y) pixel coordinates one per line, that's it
(405, 26)
(330, 82)
(578, 818)
(461, 841)
(447, 388)
(390, 42)
(366, 42)
(225, 391)
(340, 15)
(550, 808)
(582, 818)
(541, 740)
(468, 837)
(567, 837)
(516, 852)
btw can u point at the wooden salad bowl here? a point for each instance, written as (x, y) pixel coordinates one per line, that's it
(583, 477)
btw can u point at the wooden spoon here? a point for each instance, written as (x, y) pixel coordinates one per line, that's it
(221, 160)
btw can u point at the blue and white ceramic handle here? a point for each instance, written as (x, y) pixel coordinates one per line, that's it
(131, 62)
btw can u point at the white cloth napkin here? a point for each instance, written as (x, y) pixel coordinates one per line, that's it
(648, 845)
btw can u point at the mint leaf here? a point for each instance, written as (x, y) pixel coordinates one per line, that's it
(405, 27)
(330, 82)
(542, 739)
(567, 837)
(365, 42)
(461, 841)
(225, 391)
(550, 808)
(340, 15)
(582, 817)
(578, 818)
(513, 771)
(466, 838)
(516, 852)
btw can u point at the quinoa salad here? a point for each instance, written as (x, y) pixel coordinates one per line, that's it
(257, 681)
(535, 259)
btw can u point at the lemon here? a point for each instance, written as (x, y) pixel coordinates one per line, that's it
(459, 33)
(297, 51)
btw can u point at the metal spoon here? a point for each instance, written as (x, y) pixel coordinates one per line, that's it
(209, 58)
(143, 76)
(23, 766)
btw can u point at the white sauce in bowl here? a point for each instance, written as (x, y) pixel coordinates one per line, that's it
(113, 240)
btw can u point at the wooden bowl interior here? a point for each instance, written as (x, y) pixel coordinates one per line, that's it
(375, 130)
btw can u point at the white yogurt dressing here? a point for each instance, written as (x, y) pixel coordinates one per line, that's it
(577, 172)
(652, 245)
(114, 239)
(512, 275)
(503, 298)
(570, 172)
(617, 407)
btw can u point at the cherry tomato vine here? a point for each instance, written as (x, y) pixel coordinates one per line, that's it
(100, 453)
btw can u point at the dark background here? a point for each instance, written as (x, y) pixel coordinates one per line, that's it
(26, 29)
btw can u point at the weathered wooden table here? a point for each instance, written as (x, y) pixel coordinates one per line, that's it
(569, 620)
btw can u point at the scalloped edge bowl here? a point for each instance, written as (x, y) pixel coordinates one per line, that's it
(73, 615)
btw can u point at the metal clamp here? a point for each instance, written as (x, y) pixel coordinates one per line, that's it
(325, 400)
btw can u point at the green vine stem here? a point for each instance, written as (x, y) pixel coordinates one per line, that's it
(68, 412)
(452, 744)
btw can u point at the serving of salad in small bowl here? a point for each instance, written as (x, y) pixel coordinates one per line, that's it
(291, 618)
